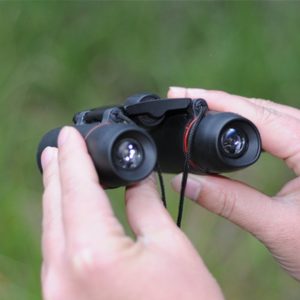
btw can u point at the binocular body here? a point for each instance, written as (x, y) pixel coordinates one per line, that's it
(127, 142)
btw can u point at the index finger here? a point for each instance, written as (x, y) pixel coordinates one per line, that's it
(280, 132)
(88, 216)
(194, 93)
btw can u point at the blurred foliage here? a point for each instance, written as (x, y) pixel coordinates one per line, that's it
(57, 58)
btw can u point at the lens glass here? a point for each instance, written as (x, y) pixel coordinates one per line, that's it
(234, 142)
(128, 154)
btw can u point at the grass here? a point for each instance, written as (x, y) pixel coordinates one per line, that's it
(57, 58)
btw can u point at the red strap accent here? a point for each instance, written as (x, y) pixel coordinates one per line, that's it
(186, 139)
(186, 135)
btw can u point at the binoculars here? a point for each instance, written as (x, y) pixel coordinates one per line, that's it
(126, 143)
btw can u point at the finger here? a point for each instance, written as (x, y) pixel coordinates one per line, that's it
(146, 214)
(280, 132)
(179, 92)
(233, 200)
(288, 110)
(53, 233)
(87, 213)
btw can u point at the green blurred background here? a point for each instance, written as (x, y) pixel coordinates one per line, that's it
(57, 58)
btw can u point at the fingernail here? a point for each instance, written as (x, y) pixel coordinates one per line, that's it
(192, 189)
(63, 136)
(47, 156)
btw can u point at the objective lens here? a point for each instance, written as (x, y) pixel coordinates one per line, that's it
(234, 142)
(128, 154)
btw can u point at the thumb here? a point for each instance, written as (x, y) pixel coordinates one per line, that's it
(145, 211)
(235, 201)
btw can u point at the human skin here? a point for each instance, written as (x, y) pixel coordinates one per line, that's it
(275, 221)
(86, 253)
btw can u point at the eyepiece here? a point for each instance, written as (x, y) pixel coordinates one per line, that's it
(233, 141)
(224, 142)
(122, 153)
(128, 154)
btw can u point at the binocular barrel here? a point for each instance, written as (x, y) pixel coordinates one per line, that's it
(222, 142)
(126, 153)
(121, 153)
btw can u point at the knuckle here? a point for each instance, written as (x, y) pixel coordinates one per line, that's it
(228, 201)
(82, 261)
(261, 102)
(266, 115)
(84, 257)
(86, 260)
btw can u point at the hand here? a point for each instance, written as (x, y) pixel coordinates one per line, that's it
(273, 220)
(86, 253)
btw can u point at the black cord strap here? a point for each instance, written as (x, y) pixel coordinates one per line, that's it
(189, 135)
(162, 185)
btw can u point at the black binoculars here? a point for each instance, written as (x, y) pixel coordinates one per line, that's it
(127, 142)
